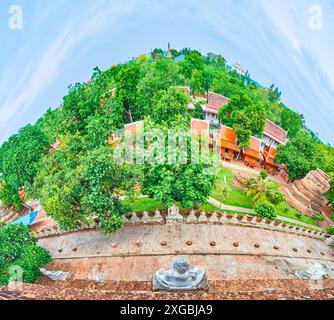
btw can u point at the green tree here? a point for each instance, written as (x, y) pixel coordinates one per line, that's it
(159, 76)
(19, 161)
(182, 180)
(244, 116)
(291, 122)
(76, 185)
(301, 155)
(263, 190)
(18, 248)
(192, 61)
(170, 107)
(274, 93)
(198, 112)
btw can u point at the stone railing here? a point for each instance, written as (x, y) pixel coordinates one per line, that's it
(173, 216)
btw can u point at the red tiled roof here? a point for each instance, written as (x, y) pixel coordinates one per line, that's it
(227, 138)
(133, 128)
(227, 133)
(200, 127)
(275, 132)
(215, 100)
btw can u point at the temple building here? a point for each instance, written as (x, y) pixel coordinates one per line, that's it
(269, 155)
(273, 135)
(200, 127)
(252, 154)
(214, 102)
(226, 142)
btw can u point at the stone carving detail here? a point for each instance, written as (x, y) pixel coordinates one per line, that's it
(213, 218)
(192, 217)
(202, 217)
(307, 195)
(157, 217)
(134, 218)
(55, 275)
(223, 218)
(173, 215)
(181, 277)
(146, 218)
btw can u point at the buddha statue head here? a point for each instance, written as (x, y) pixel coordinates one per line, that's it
(181, 265)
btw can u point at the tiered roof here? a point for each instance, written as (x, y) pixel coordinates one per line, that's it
(254, 149)
(226, 138)
(275, 132)
(200, 127)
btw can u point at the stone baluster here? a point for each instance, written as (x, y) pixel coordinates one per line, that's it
(134, 218)
(157, 217)
(270, 224)
(251, 220)
(213, 217)
(192, 217)
(234, 218)
(223, 217)
(202, 217)
(125, 220)
(146, 218)
(241, 218)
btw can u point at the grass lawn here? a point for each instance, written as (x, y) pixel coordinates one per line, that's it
(287, 211)
(235, 197)
(148, 204)
(144, 204)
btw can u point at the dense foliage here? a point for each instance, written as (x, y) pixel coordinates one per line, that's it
(81, 181)
(19, 251)
(266, 210)
(301, 155)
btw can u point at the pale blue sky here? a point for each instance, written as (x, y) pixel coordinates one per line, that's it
(62, 40)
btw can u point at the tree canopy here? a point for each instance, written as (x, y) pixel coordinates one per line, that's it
(19, 252)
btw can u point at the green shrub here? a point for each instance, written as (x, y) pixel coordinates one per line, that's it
(299, 215)
(319, 217)
(277, 197)
(263, 174)
(330, 230)
(19, 251)
(265, 210)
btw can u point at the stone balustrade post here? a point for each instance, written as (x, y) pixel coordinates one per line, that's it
(157, 217)
(202, 217)
(213, 217)
(223, 218)
(134, 218)
(192, 217)
(146, 218)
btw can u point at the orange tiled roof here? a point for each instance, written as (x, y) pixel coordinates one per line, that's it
(227, 138)
(270, 156)
(254, 149)
(200, 127)
(133, 128)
